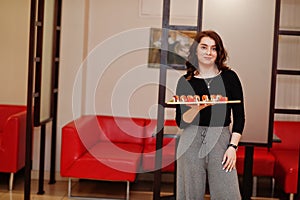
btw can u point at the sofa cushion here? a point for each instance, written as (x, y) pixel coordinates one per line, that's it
(108, 161)
(263, 161)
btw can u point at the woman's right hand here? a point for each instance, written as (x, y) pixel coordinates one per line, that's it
(198, 106)
(190, 114)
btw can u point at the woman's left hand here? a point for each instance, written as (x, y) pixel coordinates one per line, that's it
(229, 159)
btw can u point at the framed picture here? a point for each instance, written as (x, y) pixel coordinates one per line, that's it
(179, 43)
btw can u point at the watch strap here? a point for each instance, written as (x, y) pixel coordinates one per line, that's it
(233, 145)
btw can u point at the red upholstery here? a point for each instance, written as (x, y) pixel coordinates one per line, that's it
(122, 129)
(112, 148)
(263, 161)
(12, 137)
(102, 148)
(168, 149)
(287, 154)
(168, 154)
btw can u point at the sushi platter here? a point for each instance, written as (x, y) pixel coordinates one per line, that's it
(205, 99)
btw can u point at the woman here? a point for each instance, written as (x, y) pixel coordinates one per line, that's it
(207, 146)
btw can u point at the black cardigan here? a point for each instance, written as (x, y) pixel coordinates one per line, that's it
(227, 84)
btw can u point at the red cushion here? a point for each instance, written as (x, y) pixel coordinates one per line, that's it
(108, 161)
(263, 161)
(286, 169)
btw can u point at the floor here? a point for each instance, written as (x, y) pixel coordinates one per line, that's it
(139, 190)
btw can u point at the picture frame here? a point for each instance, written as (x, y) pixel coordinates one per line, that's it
(179, 43)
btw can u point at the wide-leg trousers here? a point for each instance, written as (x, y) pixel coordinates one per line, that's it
(199, 158)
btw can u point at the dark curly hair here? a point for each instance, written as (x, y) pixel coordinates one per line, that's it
(192, 60)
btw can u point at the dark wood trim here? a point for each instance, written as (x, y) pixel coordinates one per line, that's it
(289, 33)
(288, 72)
(287, 111)
(33, 96)
(200, 15)
(166, 14)
(274, 72)
(182, 28)
(42, 160)
(29, 114)
(38, 65)
(55, 73)
(161, 100)
(247, 176)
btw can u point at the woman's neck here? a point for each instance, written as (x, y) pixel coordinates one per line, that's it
(208, 71)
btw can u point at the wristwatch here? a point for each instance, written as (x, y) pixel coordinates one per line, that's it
(234, 146)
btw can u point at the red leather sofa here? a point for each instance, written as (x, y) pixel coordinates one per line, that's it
(118, 148)
(103, 148)
(12, 139)
(287, 155)
(112, 149)
(279, 162)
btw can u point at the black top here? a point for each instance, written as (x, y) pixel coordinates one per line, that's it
(227, 84)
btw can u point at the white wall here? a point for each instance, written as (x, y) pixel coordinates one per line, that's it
(248, 38)
(14, 39)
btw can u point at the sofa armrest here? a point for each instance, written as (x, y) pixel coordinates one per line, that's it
(13, 142)
(78, 136)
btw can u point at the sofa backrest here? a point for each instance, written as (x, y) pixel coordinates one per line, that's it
(289, 134)
(151, 131)
(122, 129)
(151, 125)
(7, 111)
(87, 129)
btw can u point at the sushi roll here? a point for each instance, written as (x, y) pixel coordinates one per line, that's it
(183, 98)
(190, 98)
(205, 98)
(175, 98)
(197, 98)
(218, 97)
(223, 99)
(213, 97)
